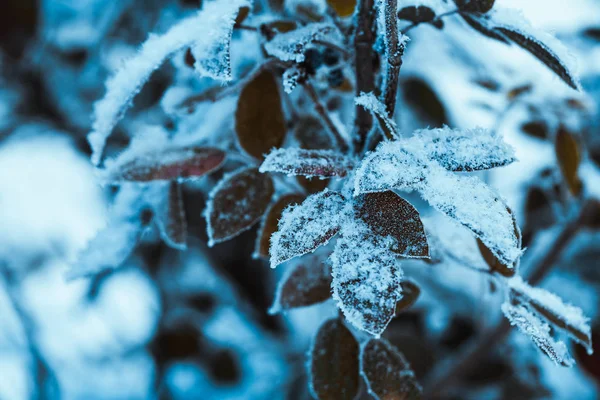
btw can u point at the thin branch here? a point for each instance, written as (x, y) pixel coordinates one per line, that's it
(450, 372)
(312, 93)
(394, 52)
(364, 39)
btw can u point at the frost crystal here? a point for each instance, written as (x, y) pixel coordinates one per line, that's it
(305, 227)
(197, 30)
(309, 163)
(366, 278)
(290, 46)
(462, 150)
(539, 331)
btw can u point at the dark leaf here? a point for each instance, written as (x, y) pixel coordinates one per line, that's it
(538, 129)
(242, 15)
(307, 283)
(311, 134)
(387, 373)
(171, 220)
(188, 162)
(417, 14)
(388, 214)
(481, 25)
(477, 6)
(313, 185)
(309, 163)
(334, 363)
(304, 228)
(410, 294)
(541, 52)
(343, 8)
(237, 203)
(270, 221)
(259, 120)
(419, 94)
(568, 153)
(271, 29)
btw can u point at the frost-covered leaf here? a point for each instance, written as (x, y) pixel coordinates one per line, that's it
(343, 8)
(121, 88)
(482, 25)
(410, 294)
(167, 164)
(270, 221)
(366, 278)
(389, 167)
(236, 203)
(170, 217)
(305, 227)
(387, 373)
(568, 154)
(292, 45)
(462, 150)
(493, 262)
(389, 215)
(478, 207)
(566, 317)
(305, 284)
(377, 109)
(113, 244)
(334, 363)
(292, 77)
(541, 52)
(259, 120)
(309, 163)
(539, 332)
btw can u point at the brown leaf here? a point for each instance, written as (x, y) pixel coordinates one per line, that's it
(259, 120)
(388, 214)
(308, 283)
(237, 203)
(410, 294)
(312, 135)
(171, 218)
(309, 163)
(242, 15)
(343, 8)
(481, 25)
(568, 153)
(492, 261)
(188, 162)
(270, 221)
(387, 373)
(416, 14)
(541, 52)
(334, 363)
(270, 29)
(313, 185)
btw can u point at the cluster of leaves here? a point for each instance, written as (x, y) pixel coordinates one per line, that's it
(307, 181)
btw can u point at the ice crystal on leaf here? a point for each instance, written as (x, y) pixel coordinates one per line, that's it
(309, 163)
(291, 46)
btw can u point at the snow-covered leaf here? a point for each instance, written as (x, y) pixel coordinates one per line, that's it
(462, 150)
(539, 332)
(493, 262)
(122, 87)
(291, 46)
(309, 163)
(270, 221)
(389, 167)
(478, 207)
(305, 227)
(167, 164)
(236, 203)
(170, 217)
(305, 284)
(566, 317)
(334, 363)
(377, 109)
(366, 278)
(389, 215)
(387, 373)
(568, 154)
(259, 120)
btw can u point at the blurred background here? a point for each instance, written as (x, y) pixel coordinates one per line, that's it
(194, 324)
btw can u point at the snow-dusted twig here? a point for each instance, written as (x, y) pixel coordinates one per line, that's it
(394, 49)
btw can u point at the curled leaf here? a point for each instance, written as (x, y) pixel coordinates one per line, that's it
(308, 163)
(305, 227)
(388, 214)
(259, 120)
(481, 25)
(170, 164)
(387, 373)
(306, 284)
(568, 153)
(334, 363)
(270, 221)
(236, 203)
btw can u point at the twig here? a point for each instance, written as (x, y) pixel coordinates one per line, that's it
(394, 52)
(312, 93)
(365, 76)
(449, 373)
